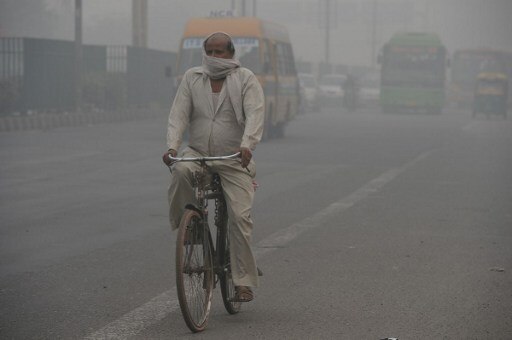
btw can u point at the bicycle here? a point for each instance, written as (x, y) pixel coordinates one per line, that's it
(200, 265)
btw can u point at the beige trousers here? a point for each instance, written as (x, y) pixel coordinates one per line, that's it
(239, 193)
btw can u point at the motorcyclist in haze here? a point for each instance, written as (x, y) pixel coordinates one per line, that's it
(350, 93)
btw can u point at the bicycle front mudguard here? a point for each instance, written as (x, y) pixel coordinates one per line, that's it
(191, 206)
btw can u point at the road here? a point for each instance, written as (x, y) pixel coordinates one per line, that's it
(367, 226)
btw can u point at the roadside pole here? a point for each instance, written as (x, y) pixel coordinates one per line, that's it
(78, 56)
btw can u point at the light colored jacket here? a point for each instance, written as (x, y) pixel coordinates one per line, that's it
(216, 131)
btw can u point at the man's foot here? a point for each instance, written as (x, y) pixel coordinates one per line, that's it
(243, 294)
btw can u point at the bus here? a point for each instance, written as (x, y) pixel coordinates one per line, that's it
(413, 73)
(465, 67)
(263, 47)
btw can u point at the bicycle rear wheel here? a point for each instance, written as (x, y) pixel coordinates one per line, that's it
(227, 287)
(194, 271)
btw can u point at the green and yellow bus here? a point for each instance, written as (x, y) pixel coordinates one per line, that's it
(413, 73)
(261, 46)
(466, 64)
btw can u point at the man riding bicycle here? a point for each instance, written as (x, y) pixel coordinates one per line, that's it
(222, 104)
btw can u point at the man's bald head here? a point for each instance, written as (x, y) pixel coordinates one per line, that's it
(218, 40)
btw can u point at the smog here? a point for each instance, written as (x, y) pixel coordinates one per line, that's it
(327, 36)
(383, 170)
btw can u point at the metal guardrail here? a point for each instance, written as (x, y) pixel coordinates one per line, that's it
(37, 75)
(57, 120)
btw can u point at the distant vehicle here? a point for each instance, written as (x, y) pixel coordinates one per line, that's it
(466, 64)
(491, 93)
(369, 88)
(330, 89)
(263, 47)
(413, 73)
(308, 91)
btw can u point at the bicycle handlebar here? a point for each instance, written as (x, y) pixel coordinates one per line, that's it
(203, 159)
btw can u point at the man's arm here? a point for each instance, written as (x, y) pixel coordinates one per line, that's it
(179, 115)
(178, 120)
(253, 102)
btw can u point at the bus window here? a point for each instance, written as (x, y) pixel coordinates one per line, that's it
(285, 61)
(267, 58)
(248, 52)
(291, 60)
(191, 54)
(282, 67)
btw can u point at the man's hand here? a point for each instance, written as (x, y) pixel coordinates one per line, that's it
(246, 156)
(166, 159)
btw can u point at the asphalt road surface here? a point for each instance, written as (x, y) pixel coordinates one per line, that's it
(367, 226)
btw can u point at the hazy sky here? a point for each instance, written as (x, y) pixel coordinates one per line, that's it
(460, 23)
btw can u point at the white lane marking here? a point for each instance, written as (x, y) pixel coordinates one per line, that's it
(162, 305)
(284, 236)
(140, 318)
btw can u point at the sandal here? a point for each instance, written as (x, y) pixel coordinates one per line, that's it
(243, 294)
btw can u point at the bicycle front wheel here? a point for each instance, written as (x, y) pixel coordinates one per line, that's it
(194, 271)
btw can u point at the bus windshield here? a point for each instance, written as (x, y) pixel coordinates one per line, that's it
(247, 50)
(416, 64)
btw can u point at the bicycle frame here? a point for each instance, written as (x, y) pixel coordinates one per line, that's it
(215, 264)
(207, 186)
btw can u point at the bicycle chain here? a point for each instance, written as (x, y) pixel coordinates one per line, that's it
(217, 215)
